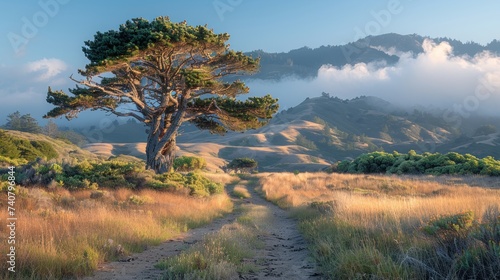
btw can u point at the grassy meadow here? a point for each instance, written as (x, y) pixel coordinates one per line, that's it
(384, 227)
(63, 233)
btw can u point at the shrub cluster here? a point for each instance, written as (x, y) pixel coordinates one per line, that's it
(197, 184)
(464, 248)
(306, 143)
(426, 163)
(112, 174)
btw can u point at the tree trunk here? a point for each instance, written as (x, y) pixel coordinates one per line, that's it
(160, 149)
(163, 160)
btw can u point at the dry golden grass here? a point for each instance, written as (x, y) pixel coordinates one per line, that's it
(241, 192)
(63, 233)
(369, 200)
(291, 190)
(378, 220)
(221, 178)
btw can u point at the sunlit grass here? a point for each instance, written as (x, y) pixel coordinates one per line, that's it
(67, 234)
(371, 226)
(241, 192)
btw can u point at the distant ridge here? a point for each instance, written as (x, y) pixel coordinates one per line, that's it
(305, 62)
(323, 130)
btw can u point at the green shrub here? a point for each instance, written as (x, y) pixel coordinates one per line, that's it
(12, 162)
(114, 174)
(245, 164)
(457, 223)
(185, 163)
(464, 248)
(137, 200)
(197, 184)
(426, 163)
(7, 147)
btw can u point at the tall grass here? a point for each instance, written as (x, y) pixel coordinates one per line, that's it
(241, 191)
(222, 254)
(363, 227)
(67, 234)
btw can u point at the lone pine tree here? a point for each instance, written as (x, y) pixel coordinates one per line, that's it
(163, 74)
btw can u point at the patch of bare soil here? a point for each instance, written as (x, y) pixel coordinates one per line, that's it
(284, 255)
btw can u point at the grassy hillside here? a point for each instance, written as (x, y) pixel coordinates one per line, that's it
(321, 131)
(30, 146)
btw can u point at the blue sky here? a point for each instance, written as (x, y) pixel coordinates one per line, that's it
(40, 41)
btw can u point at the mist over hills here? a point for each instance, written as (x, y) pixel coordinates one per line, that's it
(386, 48)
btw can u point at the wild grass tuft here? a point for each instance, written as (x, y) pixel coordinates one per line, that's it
(241, 191)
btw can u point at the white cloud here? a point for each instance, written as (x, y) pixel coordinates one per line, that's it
(46, 68)
(433, 78)
(24, 87)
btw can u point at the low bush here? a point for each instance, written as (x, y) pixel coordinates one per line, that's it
(242, 164)
(464, 248)
(185, 163)
(426, 163)
(113, 174)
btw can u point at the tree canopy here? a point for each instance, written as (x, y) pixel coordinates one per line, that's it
(163, 74)
(25, 123)
(242, 164)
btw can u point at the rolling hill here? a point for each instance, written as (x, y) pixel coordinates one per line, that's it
(319, 132)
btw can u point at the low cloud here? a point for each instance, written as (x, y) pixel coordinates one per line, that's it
(434, 78)
(46, 69)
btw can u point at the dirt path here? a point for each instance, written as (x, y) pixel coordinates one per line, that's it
(284, 256)
(141, 265)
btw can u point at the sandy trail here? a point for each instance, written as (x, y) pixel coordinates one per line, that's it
(284, 256)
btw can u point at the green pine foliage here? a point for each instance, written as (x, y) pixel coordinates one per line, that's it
(25, 123)
(242, 163)
(427, 163)
(172, 73)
